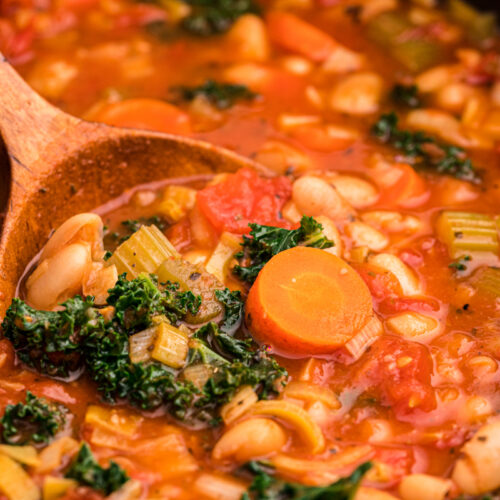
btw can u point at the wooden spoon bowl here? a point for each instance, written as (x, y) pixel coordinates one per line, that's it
(60, 166)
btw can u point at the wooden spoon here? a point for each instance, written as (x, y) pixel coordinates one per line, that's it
(61, 165)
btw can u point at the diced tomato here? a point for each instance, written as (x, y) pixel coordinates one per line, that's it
(399, 373)
(245, 197)
(395, 305)
(399, 462)
(179, 234)
(382, 283)
(292, 33)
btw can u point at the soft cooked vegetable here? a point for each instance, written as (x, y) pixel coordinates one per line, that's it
(266, 487)
(244, 197)
(466, 233)
(217, 16)
(194, 281)
(143, 252)
(15, 483)
(149, 114)
(389, 30)
(267, 241)
(219, 94)
(479, 26)
(424, 151)
(87, 471)
(306, 301)
(130, 226)
(223, 255)
(406, 95)
(170, 346)
(26, 455)
(36, 421)
(54, 488)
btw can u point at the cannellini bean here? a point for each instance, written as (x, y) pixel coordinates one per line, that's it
(98, 279)
(453, 96)
(282, 158)
(216, 487)
(364, 235)
(51, 77)
(314, 196)
(58, 277)
(393, 222)
(407, 279)
(424, 487)
(239, 404)
(357, 94)
(476, 409)
(85, 227)
(287, 121)
(248, 39)
(358, 192)
(414, 326)
(256, 437)
(477, 469)
(332, 233)
(343, 60)
(435, 78)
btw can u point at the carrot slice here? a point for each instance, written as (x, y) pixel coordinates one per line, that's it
(306, 301)
(149, 114)
(292, 33)
(408, 190)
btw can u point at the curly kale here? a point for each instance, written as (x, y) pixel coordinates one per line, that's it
(212, 17)
(406, 95)
(422, 150)
(86, 470)
(35, 421)
(139, 300)
(49, 341)
(233, 315)
(267, 487)
(267, 241)
(221, 95)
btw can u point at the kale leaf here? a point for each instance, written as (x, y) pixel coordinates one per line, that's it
(221, 95)
(267, 241)
(233, 315)
(212, 17)
(48, 340)
(129, 226)
(86, 470)
(266, 487)
(406, 95)
(422, 150)
(35, 421)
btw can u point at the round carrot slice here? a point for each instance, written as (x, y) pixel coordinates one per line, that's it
(149, 114)
(306, 301)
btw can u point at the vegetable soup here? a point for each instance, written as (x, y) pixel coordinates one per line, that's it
(325, 327)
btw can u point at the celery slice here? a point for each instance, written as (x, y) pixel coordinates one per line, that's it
(199, 281)
(143, 252)
(467, 232)
(488, 281)
(171, 346)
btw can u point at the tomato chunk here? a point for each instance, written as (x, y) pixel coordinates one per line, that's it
(398, 372)
(245, 197)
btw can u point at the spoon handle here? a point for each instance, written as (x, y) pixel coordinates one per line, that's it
(27, 122)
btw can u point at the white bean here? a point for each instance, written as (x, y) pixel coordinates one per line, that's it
(364, 235)
(84, 227)
(477, 469)
(332, 233)
(414, 326)
(407, 279)
(424, 487)
(58, 277)
(282, 158)
(249, 40)
(358, 192)
(393, 222)
(256, 437)
(357, 94)
(314, 196)
(98, 279)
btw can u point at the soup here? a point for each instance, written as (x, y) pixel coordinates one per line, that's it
(325, 327)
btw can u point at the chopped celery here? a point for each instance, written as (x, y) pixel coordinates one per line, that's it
(143, 252)
(199, 281)
(140, 345)
(467, 232)
(479, 26)
(170, 346)
(488, 281)
(229, 244)
(393, 31)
